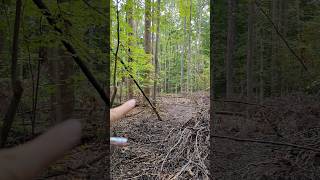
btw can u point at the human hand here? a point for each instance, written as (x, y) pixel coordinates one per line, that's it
(27, 160)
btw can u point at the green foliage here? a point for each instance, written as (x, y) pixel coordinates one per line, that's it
(172, 38)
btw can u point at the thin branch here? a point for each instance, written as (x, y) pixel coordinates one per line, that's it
(265, 142)
(241, 102)
(281, 36)
(139, 87)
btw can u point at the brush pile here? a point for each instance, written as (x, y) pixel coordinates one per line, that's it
(176, 148)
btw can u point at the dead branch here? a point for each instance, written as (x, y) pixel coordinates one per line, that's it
(139, 87)
(241, 102)
(229, 113)
(266, 142)
(281, 37)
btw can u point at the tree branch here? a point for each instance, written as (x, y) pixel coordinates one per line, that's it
(282, 38)
(139, 87)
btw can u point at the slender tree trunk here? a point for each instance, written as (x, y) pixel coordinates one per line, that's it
(274, 49)
(15, 80)
(189, 49)
(2, 39)
(213, 123)
(66, 98)
(165, 75)
(60, 71)
(261, 75)
(147, 42)
(284, 25)
(250, 49)
(230, 46)
(200, 65)
(156, 56)
(131, 34)
(182, 59)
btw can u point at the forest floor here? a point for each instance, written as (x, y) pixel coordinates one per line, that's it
(175, 147)
(277, 140)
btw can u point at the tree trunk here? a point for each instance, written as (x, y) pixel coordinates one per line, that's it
(2, 39)
(284, 28)
(130, 36)
(147, 43)
(261, 74)
(60, 71)
(200, 64)
(15, 80)
(230, 46)
(274, 49)
(66, 85)
(250, 49)
(182, 59)
(189, 49)
(156, 56)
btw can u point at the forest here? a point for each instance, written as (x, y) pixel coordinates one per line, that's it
(165, 44)
(265, 89)
(225, 89)
(58, 62)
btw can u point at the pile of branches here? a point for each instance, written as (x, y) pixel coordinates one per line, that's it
(187, 151)
(166, 149)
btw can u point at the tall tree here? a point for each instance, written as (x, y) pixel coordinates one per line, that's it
(2, 39)
(274, 49)
(250, 48)
(130, 43)
(183, 56)
(61, 71)
(189, 48)
(17, 89)
(156, 55)
(230, 46)
(261, 73)
(147, 42)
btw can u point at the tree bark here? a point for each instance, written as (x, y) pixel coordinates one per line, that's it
(250, 49)
(230, 47)
(147, 43)
(274, 50)
(15, 80)
(61, 70)
(130, 36)
(261, 74)
(189, 49)
(156, 56)
(182, 59)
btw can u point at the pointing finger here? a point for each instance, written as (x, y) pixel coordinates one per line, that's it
(120, 111)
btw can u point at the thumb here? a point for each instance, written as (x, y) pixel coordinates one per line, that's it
(120, 111)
